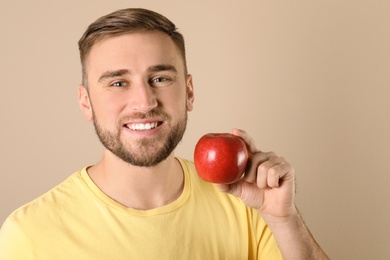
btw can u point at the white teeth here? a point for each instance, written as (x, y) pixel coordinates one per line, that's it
(146, 126)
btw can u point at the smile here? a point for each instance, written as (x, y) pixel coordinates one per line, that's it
(140, 126)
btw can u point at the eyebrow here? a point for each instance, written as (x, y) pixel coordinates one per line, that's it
(118, 73)
(113, 74)
(163, 67)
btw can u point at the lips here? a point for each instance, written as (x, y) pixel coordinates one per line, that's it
(145, 122)
(141, 126)
(138, 126)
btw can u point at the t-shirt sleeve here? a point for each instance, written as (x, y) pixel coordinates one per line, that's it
(14, 244)
(267, 248)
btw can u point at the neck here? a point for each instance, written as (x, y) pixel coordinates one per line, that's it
(138, 187)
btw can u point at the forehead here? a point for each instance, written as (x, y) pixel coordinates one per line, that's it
(133, 51)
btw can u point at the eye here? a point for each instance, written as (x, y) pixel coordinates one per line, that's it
(118, 84)
(159, 80)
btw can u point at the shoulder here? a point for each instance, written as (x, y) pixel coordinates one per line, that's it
(38, 210)
(34, 219)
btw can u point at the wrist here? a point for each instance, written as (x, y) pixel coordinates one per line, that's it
(293, 237)
(287, 218)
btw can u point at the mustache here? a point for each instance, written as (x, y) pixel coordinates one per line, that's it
(155, 113)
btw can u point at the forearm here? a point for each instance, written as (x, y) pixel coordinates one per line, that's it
(295, 240)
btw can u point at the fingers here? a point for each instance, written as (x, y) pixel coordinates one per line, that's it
(268, 170)
(270, 173)
(265, 169)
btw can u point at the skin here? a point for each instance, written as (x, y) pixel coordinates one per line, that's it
(117, 100)
(114, 101)
(269, 187)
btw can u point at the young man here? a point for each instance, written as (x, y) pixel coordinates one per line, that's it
(140, 201)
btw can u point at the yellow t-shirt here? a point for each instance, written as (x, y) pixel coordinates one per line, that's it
(76, 220)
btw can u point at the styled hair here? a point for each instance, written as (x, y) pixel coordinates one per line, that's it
(127, 21)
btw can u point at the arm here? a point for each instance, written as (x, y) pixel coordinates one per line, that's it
(269, 187)
(295, 240)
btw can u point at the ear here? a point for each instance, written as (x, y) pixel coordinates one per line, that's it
(190, 93)
(85, 103)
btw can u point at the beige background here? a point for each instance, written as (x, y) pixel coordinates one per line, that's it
(307, 79)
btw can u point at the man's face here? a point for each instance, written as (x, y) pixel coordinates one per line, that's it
(137, 96)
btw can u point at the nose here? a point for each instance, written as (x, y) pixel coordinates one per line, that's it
(143, 97)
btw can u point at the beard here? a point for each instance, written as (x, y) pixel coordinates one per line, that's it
(146, 152)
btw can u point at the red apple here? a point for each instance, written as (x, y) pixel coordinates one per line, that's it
(220, 158)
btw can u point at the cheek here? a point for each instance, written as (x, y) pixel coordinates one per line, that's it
(175, 101)
(106, 110)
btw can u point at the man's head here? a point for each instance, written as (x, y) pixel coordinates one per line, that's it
(127, 21)
(135, 89)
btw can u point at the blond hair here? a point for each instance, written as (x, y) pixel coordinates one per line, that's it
(127, 21)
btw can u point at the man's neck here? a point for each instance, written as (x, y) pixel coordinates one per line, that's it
(139, 187)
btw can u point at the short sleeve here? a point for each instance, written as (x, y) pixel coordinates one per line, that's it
(267, 248)
(14, 244)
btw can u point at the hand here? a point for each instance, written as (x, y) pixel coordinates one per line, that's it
(268, 184)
